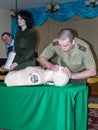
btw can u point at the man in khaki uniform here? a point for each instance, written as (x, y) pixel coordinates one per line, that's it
(74, 55)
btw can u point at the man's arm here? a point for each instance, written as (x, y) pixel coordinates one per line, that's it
(80, 75)
(85, 74)
(46, 64)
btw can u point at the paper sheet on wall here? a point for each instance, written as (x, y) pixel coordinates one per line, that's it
(10, 59)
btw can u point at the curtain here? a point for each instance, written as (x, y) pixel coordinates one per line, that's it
(66, 12)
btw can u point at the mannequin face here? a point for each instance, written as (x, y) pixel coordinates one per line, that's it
(66, 45)
(6, 39)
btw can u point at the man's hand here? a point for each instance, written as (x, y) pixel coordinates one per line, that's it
(54, 67)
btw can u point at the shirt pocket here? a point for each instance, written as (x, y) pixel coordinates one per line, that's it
(76, 60)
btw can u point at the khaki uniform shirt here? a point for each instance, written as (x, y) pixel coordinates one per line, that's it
(80, 59)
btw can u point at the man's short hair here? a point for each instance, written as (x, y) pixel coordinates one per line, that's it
(7, 33)
(66, 33)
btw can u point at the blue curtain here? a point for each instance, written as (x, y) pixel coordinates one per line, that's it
(66, 12)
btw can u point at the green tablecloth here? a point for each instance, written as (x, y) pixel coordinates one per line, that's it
(44, 107)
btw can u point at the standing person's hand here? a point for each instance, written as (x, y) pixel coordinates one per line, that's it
(13, 66)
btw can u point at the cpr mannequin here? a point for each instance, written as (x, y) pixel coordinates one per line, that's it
(35, 76)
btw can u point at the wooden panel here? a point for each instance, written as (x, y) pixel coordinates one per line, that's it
(92, 105)
(93, 89)
(92, 83)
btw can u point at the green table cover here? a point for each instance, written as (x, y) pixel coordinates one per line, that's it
(44, 107)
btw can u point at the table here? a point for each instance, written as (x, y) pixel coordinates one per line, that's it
(44, 107)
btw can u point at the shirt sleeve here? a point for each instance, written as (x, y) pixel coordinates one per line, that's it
(89, 59)
(48, 52)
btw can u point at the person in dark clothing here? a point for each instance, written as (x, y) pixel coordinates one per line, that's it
(25, 41)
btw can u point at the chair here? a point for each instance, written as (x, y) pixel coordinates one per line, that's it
(93, 81)
(3, 73)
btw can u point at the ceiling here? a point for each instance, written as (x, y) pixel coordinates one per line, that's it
(24, 4)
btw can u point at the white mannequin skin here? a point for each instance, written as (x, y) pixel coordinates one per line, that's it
(35, 76)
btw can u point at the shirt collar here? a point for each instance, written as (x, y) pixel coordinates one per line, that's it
(11, 44)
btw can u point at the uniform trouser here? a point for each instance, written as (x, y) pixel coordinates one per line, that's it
(77, 81)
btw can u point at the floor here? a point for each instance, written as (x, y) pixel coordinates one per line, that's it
(93, 115)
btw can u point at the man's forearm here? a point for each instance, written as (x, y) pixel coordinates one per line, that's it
(84, 74)
(44, 62)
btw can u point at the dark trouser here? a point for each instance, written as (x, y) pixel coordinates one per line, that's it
(77, 81)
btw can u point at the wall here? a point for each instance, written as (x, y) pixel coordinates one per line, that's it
(5, 25)
(86, 28)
